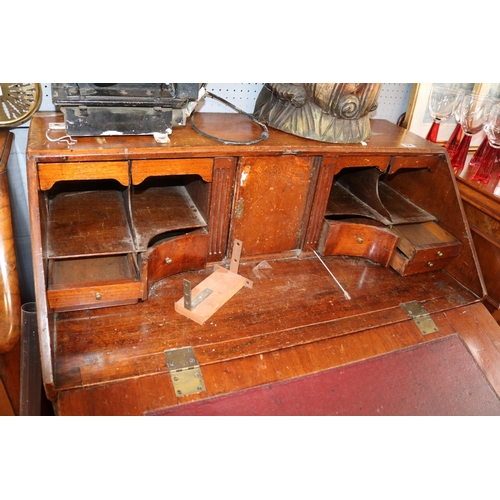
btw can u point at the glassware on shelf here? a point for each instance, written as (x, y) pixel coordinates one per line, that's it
(454, 140)
(442, 103)
(478, 156)
(492, 127)
(492, 147)
(473, 112)
(456, 136)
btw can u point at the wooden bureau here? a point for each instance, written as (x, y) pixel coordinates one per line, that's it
(120, 223)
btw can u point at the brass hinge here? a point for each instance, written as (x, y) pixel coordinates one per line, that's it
(185, 371)
(420, 317)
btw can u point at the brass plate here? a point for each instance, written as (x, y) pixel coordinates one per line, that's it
(184, 371)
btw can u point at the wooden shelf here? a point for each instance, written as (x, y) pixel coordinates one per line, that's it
(396, 208)
(342, 203)
(83, 223)
(157, 210)
(402, 210)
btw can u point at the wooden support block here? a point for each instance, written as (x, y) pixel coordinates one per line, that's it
(223, 284)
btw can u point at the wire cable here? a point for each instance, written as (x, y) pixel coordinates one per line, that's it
(264, 135)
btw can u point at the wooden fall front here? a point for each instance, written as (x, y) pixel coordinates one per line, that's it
(337, 241)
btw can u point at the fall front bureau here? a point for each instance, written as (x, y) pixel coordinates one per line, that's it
(336, 239)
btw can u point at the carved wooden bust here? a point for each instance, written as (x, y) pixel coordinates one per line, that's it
(329, 112)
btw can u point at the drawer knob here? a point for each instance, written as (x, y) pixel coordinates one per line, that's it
(168, 260)
(430, 264)
(360, 240)
(98, 296)
(439, 253)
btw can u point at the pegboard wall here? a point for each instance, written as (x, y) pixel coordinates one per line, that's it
(392, 103)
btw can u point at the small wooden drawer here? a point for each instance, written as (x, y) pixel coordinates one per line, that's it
(50, 173)
(423, 247)
(142, 169)
(186, 252)
(92, 282)
(429, 161)
(370, 241)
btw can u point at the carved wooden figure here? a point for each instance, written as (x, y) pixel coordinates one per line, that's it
(330, 112)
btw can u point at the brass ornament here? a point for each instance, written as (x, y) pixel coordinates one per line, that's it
(19, 102)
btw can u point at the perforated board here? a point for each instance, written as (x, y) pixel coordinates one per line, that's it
(393, 99)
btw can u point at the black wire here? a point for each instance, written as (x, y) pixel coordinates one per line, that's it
(264, 135)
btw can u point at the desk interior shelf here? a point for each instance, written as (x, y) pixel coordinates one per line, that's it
(88, 222)
(162, 206)
(361, 192)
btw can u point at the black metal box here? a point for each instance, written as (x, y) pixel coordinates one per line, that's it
(124, 108)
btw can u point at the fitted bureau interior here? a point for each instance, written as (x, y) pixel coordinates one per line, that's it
(98, 233)
(108, 241)
(361, 192)
(366, 217)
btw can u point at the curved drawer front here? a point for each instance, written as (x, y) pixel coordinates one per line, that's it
(183, 253)
(371, 242)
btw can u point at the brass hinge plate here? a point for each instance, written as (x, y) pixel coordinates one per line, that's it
(185, 371)
(420, 317)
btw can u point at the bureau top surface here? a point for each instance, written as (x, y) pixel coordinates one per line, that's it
(386, 138)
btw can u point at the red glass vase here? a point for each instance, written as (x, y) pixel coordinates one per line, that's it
(432, 135)
(458, 160)
(483, 173)
(453, 142)
(477, 159)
